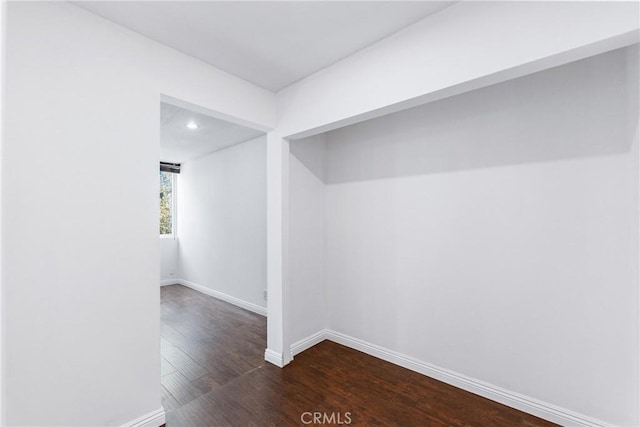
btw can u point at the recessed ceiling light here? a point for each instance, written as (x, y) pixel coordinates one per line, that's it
(192, 125)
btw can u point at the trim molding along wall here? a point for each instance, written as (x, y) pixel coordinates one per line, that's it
(308, 342)
(518, 401)
(273, 357)
(152, 419)
(216, 294)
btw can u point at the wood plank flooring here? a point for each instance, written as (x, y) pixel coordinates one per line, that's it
(213, 374)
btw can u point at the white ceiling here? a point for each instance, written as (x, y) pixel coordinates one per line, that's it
(271, 44)
(179, 143)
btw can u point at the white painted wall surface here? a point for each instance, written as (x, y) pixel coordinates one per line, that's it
(495, 234)
(80, 211)
(3, 38)
(278, 272)
(466, 46)
(168, 260)
(307, 168)
(222, 221)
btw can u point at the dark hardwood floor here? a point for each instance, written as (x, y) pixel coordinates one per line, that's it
(213, 374)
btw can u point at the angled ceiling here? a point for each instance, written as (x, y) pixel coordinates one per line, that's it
(179, 144)
(271, 44)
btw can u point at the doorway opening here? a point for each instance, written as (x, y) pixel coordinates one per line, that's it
(213, 231)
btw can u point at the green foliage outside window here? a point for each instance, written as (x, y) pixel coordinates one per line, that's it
(166, 203)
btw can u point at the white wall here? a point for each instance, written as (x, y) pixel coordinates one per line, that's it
(468, 45)
(493, 234)
(3, 33)
(222, 221)
(80, 242)
(307, 168)
(168, 260)
(278, 321)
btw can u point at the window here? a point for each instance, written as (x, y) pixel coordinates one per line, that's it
(167, 203)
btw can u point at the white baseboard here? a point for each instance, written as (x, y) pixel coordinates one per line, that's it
(518, 401)
(152, 419)
(224, 297)
(274, 357)
(308, 342)
(167, 282)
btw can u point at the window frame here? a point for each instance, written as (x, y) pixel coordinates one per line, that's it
(174, 207)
